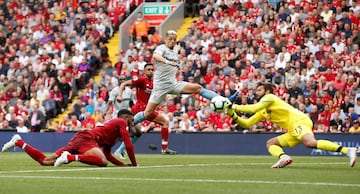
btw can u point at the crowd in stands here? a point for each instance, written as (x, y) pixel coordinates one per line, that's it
(49, 51)
(308, 50)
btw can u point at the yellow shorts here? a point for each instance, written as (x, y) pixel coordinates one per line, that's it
(293, 136)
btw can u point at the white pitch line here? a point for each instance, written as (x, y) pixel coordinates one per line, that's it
(184, 180)
(159, 166)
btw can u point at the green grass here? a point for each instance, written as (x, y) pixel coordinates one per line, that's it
(198, 174)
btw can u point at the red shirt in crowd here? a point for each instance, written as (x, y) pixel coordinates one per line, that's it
(171, 108)
(88, 121)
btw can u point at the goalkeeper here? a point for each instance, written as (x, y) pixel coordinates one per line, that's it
(298, 125)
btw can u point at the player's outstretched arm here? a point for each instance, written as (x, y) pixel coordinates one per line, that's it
(159, 58)
(122, 88)
(111, 158)
(128, 145)
(251, 108)
(247, 123)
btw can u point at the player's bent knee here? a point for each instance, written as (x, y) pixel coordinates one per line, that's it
(151, 116)
(162, 121)
(272, 141)
(310, 143)
(105, 163)
(197, 88)
(165, 124)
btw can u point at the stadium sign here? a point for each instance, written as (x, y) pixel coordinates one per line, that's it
(157, 14)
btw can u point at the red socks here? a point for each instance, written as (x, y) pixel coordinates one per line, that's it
(87, 159)
(39, 156)
(31, 151)
(164, 138)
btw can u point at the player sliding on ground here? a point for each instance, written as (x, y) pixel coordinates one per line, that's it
(90, 147)
(298, 125)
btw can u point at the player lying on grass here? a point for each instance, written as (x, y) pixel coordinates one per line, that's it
(91, 147)
(298, 125)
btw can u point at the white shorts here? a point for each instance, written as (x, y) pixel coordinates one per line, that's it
(158, 95)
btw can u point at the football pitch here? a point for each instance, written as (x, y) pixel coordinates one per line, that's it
(198, 174)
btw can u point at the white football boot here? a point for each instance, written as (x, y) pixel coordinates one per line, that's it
(352, 154)
(282, 162)
(10, 144)
(62, 159)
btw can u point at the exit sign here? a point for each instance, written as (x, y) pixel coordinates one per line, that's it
(156, 14)
(158, 10)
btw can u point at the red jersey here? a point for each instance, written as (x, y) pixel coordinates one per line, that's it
(326, 99)
(281, 92)
(171, 108)
(144, 86)
(192, 114)
(87, 121)
(335, 4)
(313, 99)
(291, 49)
(111, 132)
(208, 78)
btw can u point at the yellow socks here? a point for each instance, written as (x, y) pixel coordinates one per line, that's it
(276, 151)
(330, 146)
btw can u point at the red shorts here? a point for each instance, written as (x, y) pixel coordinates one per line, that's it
(79, 144)
(138, 107)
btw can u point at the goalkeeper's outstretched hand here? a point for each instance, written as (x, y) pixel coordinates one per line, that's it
(228, 108)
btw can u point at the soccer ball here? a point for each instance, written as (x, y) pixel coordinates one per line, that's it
(217, 104)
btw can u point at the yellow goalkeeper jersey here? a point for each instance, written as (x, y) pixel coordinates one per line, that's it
(277, 111)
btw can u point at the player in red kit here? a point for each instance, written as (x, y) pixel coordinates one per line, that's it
(91, 147)
(144, 86)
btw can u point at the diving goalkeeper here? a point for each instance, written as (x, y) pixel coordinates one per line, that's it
(298, 125)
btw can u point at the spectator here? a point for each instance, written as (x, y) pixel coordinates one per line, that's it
(322, 125)
(66, 91)
(90, 107)
(294, 90)
(314, 114)
(98, 117)
(185, 124)
(49, 105)
(56, 94)
(37, 119)
(280, 62)
(139, 28)
(336, 124)
(346, 105)
(357, 105)
(75, 124)
(290, 77)
(278, 79)
(172, 120)
(355, 128)
(88, 123)
(82, 114)
(101, 105)
(352, 114)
